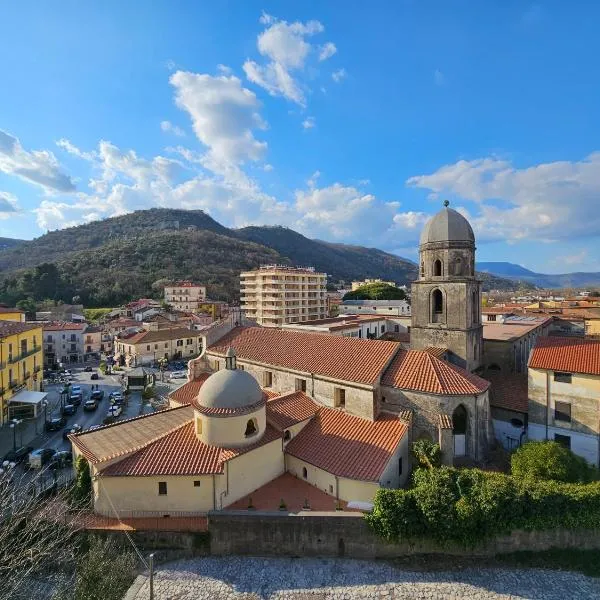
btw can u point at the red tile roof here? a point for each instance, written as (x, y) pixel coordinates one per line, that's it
(7, 309)
(161, 335)
(348, 446)
(421, 371)
(182, 453)
(445, 422)
(347, 359)
(285, 411)
(509, 391)
(62, 326)
(436, 351)
(15, 327)
(572, 355)
(188, 391)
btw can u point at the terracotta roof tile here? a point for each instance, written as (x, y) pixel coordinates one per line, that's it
(347, 359)
(285, 411)
(147, 337)
(62, 326)
(420, 371)
(7, 310)
(509, 391)
(436, 351)
(270, 394)
(181, 453)
(15, 327)
(188, 391)
(572, 355)
(348, 446)
(127, 436)
(444, 421)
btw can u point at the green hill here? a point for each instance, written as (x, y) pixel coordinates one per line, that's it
(111, 261)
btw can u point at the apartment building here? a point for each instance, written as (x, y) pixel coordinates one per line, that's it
(63, 342)
(388, 308)
(21, 361)
(274, 295)
(564, 394)
(185, 295)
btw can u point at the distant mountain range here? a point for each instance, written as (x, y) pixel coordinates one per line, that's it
(9, 243)
(519, 273)
(111, 261)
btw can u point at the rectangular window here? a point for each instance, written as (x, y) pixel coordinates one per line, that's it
(241, 367)
(196, 484)
(400, 466)
(215, 365)
(166, 344)
(383, 329)
(189, 342)
(156, 346)
(565, 440)
(300, 385)
(148, 347)
(179, 343)
(562, 377)
(340, 397)
(397, 328)
(267, 378)
(162, 488)
(562, 411)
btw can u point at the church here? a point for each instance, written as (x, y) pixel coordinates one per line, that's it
(337, 414)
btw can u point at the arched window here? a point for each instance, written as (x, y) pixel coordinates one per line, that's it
(459, 420)
(475, 302)
(287, 435)
(437, 306)
(422, 269)
(251, 428)
(304, 473)
(437, 268)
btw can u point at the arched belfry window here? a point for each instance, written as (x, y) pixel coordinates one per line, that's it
(437, 306)
(437, 268)
(422, 269)
(475, 307)
(251, 428)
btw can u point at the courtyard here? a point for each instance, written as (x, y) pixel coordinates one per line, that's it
(244, 578)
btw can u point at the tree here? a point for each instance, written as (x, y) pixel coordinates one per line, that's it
(81, 492)
(27, 305)
(427, 453)
(550, 461)
(376, 291)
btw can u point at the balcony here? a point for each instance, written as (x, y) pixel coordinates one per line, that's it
(27, 375)
(18, 357)
(37, 369)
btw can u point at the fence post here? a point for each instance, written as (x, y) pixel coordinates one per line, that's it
(151, 566)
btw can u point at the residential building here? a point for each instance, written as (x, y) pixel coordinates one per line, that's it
(388, 308)
(142, 309)
(564, 394)
(359, 326)
(507, 344)
(509, 407)
(21, 360)
(63, 343)
(185, 295)
(275, 295)
(62, 312)
(145, 347)
(358, 284)
(92, 342)
(11, 314)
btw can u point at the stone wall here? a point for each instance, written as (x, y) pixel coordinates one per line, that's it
(347, 534)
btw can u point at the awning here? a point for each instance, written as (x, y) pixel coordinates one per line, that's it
(28, 397)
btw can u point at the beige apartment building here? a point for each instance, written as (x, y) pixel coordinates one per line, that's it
(274, 295)
(185, 295)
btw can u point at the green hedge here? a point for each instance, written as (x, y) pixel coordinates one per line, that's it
(469, 505)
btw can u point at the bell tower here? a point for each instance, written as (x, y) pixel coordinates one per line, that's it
(446, 298)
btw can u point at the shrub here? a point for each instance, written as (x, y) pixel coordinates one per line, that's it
(148, 393)
(548, 460)
(427, 453)
(81, 492)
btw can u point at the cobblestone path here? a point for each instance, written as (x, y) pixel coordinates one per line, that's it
(241, 578)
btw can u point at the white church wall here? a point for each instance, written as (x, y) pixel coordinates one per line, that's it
(392, 477)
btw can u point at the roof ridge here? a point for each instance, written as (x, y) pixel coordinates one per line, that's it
(435, 368)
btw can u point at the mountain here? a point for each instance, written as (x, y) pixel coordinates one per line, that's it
(111, 261)
(516, 272)
(9, 243)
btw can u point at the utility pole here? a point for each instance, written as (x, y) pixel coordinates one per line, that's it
(151, 567)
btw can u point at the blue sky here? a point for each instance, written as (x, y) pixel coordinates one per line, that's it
(349, 125)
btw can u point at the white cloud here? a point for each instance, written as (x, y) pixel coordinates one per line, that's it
(224, 115)
(69, 147)
(549, 201)
(168, 127)
(224, 69)
(438, 77)
(574, 259)
(286, 50)
(8, 205)
(327, 51)
(312, 180)
(268, 167)
(309, 123)
(39, 167)
(339, 75)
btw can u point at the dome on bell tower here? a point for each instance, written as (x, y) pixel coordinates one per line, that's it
(448, 225)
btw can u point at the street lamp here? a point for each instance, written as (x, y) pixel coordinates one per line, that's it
(45, 405)
(13, 426)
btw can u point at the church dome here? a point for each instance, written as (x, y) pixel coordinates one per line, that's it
(447, 225)
(229, 391)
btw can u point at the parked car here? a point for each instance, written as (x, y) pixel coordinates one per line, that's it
(41, 457)
(69, 409)
(115, 410)
(88, 369)
(95, 376)
(61, 459)
(55, 423)
(76, 389)
(110, 418)
(92, 427)
(90, 405)
(19, 455)
(75, 399)
(97, 395)
(178, 375)
(73, 429)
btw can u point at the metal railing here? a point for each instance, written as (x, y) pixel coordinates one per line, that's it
(22, 355)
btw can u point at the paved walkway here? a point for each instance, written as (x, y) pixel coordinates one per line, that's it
(239, 578)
